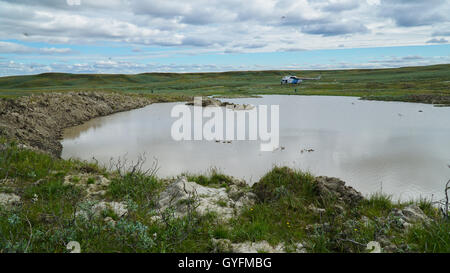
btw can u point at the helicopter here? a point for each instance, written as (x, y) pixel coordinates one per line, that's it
(296, 80)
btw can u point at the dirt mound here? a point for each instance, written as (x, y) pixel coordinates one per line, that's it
(212, 102)
(38, 121)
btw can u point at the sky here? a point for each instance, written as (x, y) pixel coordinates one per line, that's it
(136, 36)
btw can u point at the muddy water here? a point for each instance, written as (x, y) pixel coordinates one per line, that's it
(398, 148)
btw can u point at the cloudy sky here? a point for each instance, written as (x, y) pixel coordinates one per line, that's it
(131, 36)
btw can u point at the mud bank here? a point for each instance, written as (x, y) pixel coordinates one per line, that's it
(38, 121)
(213, 102)
(435, 99)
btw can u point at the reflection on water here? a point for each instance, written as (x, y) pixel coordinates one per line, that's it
(400, 148)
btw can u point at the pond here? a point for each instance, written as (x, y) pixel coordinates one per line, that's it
(402, 149)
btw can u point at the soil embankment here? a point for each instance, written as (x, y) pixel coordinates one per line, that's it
(38, 121)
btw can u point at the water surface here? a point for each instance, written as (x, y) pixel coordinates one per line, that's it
(398, 148)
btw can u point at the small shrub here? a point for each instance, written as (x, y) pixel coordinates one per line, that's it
(281, 182)
(213, 178)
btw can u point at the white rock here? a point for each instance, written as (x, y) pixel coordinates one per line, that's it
(8, 199)
(110, 221)
(93, 185)
(183, 196)
(316, 210)
(410, 215)
(225, 245)
(299, 248)
(414, 214)
(119, 208)
(257, 247)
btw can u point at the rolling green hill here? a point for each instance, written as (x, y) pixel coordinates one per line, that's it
(385, 84)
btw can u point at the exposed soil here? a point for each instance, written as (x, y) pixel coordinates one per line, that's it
(38, 121)
(435, 99)
(206, 102)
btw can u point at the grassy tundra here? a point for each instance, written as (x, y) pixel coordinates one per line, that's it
(418, 84)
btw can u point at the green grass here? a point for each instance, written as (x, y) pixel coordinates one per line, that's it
(435, 238)
(45, 220)
(383, 84)
(213, 178)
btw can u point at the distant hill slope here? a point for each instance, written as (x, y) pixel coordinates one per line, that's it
(430, 80)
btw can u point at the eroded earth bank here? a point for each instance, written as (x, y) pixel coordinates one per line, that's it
(38, 120)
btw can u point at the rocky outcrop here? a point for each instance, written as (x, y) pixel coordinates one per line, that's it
(92, 185)
(331, 186)
(212, 102)
(38, 120)
(9, 199)
(409, 216)
(225, 245)
(183, 197)
(96, 210)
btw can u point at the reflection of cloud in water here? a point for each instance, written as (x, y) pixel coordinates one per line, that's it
(364, 143)
(75, 132)
(402, 164)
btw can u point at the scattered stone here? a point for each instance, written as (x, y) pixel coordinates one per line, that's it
(339, 208)
(93, 185)
(186, 196)
(7, 182)
(9, 199)
(240, 107)
(387, 245)
(225, 245)
(316, 210)
(300, 248)
(212, 102)
(365, 220)
(331, 186)
(410, 215)
(315, 227)
(110, 221)
(392, 248)
(118, 208)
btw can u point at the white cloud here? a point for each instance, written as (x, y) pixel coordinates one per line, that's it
(217, 23)
(14, 48)
(437, 41)
(217, 26)
(130, 67)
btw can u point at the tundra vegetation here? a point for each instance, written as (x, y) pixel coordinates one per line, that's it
(428, 84)
(47, 202)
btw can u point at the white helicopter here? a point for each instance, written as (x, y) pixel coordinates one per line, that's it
(296, 80)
